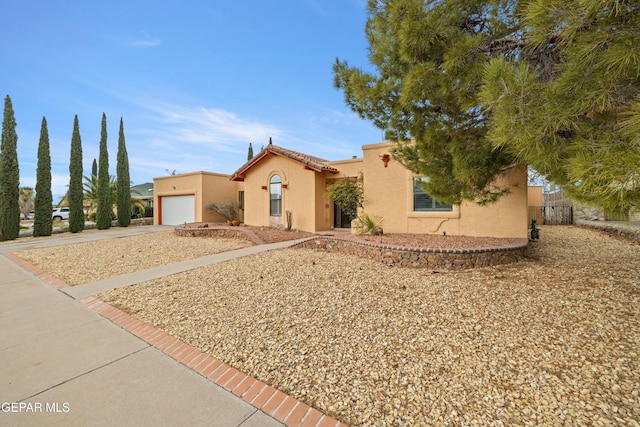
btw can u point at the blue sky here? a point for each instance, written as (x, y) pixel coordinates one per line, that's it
(194, 81)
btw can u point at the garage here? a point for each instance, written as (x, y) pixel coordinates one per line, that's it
(176, 210)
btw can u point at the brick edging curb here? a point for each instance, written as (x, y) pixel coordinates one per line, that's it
(37, 271)
(618, 228)
(421, 257)
(403, 256)
(272, 402)
(218, 230)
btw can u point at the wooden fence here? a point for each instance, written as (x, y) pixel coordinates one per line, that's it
(551, 215)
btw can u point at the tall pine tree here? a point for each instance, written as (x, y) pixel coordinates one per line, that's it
(570, 107)
(480, 85)
(76, 194)
(429, 58)
(42, 222)
(94, 169)
(103, 214)
(123, 181)
(9, 176)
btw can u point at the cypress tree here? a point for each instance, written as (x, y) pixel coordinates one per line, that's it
(42, 222)
(94, 169)
(76, 212)
(9, 176)
(123, 181)
(103, 214)
(250, 153)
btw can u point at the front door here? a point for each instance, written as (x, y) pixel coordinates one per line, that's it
(340, 219)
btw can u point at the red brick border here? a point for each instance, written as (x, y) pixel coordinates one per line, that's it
(39, 272)
(274, 403)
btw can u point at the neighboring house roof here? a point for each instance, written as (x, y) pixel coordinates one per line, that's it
(309, 162)
(142, 191)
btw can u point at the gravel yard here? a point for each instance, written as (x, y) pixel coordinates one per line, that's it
(554, 340)
(86, 262)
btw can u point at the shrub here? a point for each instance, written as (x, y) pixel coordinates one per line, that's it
(348, 194)
(227, 210)
(368, 224)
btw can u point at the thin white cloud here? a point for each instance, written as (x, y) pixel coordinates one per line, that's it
(189, 138)
(210, 127)
(145, 40)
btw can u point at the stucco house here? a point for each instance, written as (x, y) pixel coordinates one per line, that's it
(278, 180)
(143, 192)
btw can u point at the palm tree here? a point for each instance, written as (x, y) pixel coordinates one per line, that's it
(25, 201)
(137, 205)
(91, 195)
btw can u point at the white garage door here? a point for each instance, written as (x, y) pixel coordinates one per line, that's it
(177, 209)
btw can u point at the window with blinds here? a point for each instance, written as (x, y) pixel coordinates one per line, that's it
(423, 202)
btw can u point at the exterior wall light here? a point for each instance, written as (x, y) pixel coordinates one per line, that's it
(385, 159)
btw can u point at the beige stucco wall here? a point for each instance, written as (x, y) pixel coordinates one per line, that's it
(302, 195)
(534, 195)
(389, 194)
(323, 211)
(347, 168)
(505, 218)
(205, 186)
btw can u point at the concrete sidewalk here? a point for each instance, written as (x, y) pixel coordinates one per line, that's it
(63, 364)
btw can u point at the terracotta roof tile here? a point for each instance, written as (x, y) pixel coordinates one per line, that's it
(310, 162)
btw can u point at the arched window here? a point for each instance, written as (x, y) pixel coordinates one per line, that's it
(275, 196)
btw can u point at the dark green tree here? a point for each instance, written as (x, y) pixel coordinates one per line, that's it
(75, 194)
(478, 86)
(94, 168)
(123, 182)
(570, 107)
(430, 57)
(42, 222)
(250, 153)
(103, 214)
(9, 176)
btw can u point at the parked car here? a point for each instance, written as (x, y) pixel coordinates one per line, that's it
(29, 216)
(60, 214)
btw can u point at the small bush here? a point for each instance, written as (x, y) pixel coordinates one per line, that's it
(368, 224)
(227, 210)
